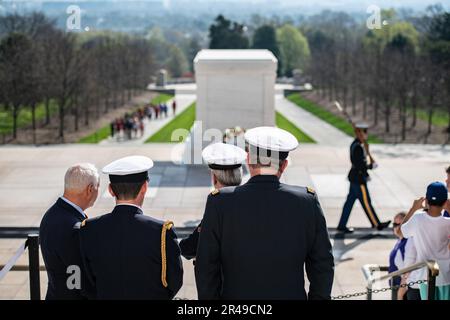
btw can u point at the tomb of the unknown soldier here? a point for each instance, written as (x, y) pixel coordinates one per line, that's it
(232, 151)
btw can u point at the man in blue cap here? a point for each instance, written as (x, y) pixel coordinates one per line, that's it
(431, 231)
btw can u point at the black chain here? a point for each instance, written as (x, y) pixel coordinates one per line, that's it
(363, 293)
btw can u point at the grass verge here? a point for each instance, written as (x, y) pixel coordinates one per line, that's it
(184, 120)
(24, 117)
(326, 116)
(285, 124)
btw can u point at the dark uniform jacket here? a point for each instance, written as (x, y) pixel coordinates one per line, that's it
(256, 239)
(189, 245)
(122, 256)
(60, 249)
(358, 172)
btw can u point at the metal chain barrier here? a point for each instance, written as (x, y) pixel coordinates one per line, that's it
(363, 293)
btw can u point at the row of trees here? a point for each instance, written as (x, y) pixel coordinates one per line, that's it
(286, 42)
(82, 74)
(395, 71)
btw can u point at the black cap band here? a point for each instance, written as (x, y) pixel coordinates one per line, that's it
(261, 152)
(224, 167)
(129, 178)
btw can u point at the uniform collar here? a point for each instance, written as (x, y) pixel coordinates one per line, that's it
(127, 207)
(264, 178)
(72, 207)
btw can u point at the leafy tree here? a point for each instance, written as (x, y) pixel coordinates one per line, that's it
(177, 62)
(15, 64)
(225, 34)
(294, 49)
(265, 37)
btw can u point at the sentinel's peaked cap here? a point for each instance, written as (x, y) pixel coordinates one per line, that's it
(222, 156)
(129, 169)
(271, 138)
(362, 125)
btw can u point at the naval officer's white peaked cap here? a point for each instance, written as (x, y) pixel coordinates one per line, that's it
(362, 125)
(128, 165)
(223, 155)
(271, 138)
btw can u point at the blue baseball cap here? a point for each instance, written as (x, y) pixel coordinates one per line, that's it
(437, 193)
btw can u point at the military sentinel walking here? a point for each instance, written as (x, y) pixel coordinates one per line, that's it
(126, 254)
(257, 238)
(358, 177)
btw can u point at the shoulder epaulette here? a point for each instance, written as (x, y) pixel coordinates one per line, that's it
(215, 191)
(310, 190)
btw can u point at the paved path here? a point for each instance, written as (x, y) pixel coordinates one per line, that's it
(322, 132)
(152, 126)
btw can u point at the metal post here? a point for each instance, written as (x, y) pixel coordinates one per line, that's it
(369, 290)
(33, 261)
(431, 284)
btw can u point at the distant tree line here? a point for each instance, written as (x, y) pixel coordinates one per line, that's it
(399, 70)
(395, 71)
(84, 75)
(286, 42)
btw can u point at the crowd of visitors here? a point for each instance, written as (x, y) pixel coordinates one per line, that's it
(132, 126)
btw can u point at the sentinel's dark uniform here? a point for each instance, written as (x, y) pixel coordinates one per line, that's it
(358, 177)
(128, 255)
(256, 239)
(122, 255)
(60, 249)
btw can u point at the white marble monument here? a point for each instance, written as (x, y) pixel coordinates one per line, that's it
(235, 88)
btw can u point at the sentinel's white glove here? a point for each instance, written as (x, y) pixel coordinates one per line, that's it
(374, 165)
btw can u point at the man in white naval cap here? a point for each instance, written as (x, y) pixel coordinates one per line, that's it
(126, 254)
(257, 238)
(225, 162)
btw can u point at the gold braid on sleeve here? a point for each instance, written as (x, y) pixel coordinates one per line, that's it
(166, 226)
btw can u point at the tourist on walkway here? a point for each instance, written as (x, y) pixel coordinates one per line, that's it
(174, 107)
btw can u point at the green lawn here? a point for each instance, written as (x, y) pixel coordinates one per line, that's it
(24, 117)
(184, 120)
(97, 136)
(439, 117)
(161, 98)
(285, 124)
(326, 116)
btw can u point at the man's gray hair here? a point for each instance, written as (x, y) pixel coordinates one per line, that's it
(229, 177)
(79, 176)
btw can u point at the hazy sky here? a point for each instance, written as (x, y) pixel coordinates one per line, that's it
(358, 5)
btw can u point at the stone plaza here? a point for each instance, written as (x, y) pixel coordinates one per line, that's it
(31, 179)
